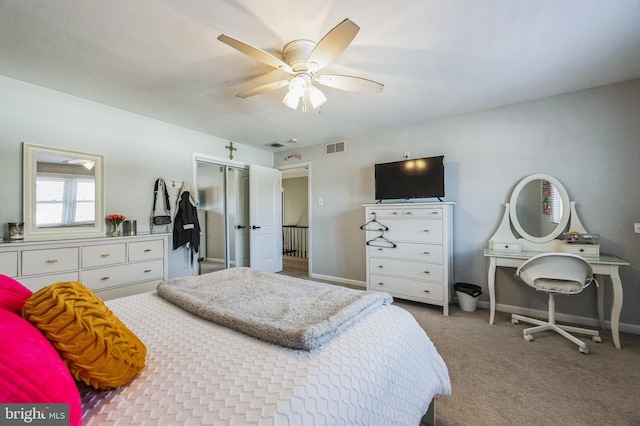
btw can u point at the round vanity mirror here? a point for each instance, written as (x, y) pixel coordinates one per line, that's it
(539, 208)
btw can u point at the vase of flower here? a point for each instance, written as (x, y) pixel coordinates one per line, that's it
(115, 220)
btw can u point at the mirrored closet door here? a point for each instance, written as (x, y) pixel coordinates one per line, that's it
(223, 214)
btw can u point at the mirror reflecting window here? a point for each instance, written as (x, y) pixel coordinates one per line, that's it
(63, 193)
(539, 208)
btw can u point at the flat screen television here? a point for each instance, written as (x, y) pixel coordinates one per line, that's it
(419, 178)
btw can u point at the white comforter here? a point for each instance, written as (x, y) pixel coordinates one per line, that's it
(384, 370)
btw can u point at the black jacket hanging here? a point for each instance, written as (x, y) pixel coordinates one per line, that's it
(186, 229)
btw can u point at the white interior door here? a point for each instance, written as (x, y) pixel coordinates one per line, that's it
(265, 211)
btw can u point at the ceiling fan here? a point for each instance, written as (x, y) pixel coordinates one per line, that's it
(303, 59)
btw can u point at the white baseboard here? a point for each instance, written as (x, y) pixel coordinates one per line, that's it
(585, 321)
(355, 283)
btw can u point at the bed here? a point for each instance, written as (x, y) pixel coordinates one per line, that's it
(380, 370)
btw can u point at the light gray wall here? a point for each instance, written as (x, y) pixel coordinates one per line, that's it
(296, 201)
(138, 150)
(589, 140)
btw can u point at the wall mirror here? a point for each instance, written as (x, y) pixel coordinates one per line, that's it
(539, 208)
(63, 193)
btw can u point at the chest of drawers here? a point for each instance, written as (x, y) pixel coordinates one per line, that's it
(413, 259)
(111, 266)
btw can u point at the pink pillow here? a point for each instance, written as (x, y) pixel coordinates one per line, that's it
(13, 295)
(31, 371)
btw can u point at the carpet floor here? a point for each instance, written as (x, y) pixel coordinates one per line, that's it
(498, 378)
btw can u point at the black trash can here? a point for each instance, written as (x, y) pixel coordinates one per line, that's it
(467, 295)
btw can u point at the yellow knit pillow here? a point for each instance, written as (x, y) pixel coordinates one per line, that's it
(97, 347)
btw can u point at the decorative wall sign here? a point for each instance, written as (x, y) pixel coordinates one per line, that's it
(293, 156)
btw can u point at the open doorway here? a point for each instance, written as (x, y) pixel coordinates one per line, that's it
(296, 230)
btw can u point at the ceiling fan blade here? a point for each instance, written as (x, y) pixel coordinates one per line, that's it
(333, 44)
(350, 83)
(263, 89)
(255, 53)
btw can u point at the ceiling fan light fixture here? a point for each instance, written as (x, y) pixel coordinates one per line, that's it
(316, 97)
(291, 100)
(297, 86)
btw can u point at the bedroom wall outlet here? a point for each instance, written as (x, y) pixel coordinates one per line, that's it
(321, 201)
(636, 228)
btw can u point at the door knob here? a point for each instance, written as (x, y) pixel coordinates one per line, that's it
(240, 226)
(255, 227)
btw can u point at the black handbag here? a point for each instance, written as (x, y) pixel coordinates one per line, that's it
(166, 218)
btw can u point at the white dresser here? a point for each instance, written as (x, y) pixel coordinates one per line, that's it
(110, 266)
(419, 267)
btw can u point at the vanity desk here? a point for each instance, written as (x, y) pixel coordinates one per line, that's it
(538, 212)
(602, 265)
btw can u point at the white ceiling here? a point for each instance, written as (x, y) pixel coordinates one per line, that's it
(436, 58)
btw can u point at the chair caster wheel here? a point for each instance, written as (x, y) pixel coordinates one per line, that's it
(583, 350)
(514, 321)
(527, 337)
(596, 339)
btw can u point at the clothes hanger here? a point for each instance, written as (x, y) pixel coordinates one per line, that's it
(381, 241)
(374, 221)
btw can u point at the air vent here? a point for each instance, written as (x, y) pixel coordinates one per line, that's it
(275, 145)
(335, 148)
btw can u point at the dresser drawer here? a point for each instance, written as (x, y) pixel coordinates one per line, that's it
(587, 250)
(383, 213)
(9, 263)
(409, 251)
(47, 261)
(413, 289)
(144, 250)
(422, 231)
(36, 283)
(112, 276)
(102, 255)
(509, 247)
(418, 213)
(407, 269)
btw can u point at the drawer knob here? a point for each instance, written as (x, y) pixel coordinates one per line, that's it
(147, 270)
(408, 213)
(434, 212)
(394, 213)
(380, 266)
(105, 255)
(105, 278)
(380, 249)
(380, 283)
(427, 272)
(147, 250)
(426, 230)
(427, 291)
(426, 252)
(52, 260)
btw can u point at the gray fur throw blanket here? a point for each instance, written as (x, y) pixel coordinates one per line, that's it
(293, 312)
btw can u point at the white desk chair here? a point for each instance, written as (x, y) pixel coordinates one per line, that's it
(556, 273)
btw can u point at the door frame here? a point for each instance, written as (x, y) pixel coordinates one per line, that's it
(305, 165)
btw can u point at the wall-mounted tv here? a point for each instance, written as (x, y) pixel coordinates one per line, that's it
(419, 178)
